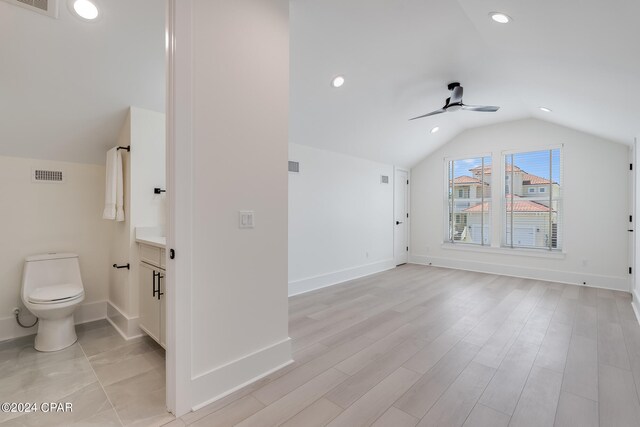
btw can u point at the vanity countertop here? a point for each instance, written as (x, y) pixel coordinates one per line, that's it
(153, 236)
(157, 241)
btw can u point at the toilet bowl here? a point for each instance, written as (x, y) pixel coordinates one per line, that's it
(51, 290)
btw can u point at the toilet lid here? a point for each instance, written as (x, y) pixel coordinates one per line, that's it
(56, 293)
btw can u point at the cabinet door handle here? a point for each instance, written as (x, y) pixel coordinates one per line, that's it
(154, 284)
(160, 276)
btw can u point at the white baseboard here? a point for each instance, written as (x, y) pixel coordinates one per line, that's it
(87, 312)
(224, 380)
(322, 281)
(574, 278)
(125, 325)
(635, 304)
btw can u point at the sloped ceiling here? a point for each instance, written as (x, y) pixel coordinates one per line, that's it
(66, 84)
(577, 57)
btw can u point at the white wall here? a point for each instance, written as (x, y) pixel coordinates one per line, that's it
(239, 78)
(340, 218)
(596, 206)
(144, 167)
(39, 217)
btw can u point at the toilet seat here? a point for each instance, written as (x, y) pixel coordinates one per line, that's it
(56, 294)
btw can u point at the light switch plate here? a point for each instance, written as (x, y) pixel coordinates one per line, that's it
(246, 219)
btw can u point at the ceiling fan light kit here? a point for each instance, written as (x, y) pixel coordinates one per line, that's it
(454, 103)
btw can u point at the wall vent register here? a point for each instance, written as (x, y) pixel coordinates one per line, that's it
(46, 7)
(294, 166)
(49, 176)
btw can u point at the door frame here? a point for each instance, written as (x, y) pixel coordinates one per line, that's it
(408, 202)
(633, 159)
(179, 57)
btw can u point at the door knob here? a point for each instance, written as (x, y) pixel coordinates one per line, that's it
(398, 222)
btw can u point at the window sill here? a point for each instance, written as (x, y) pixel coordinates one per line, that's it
(536, 253)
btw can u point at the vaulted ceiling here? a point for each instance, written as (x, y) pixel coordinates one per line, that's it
(578, 57)
(65, 84)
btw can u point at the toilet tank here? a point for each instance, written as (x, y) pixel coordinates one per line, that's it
(50, 269)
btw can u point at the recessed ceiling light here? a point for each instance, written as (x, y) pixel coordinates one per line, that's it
(337, 81)
(500, 18)
(435, 129)
(86, 9)
(545, 109)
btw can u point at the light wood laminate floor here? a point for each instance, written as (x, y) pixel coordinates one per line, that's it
(438, 347)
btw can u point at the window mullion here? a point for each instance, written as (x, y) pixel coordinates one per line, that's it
(453, 214)
(550, 200)
(511, 191)
(482, 204)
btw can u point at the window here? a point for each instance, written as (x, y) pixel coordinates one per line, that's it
(468, 201)
(534, 221)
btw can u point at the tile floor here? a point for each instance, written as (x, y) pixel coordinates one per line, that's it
(109, 381)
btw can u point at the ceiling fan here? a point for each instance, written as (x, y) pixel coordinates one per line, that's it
(454, 103)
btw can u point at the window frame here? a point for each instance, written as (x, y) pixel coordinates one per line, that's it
(446, 218)
(503, 198)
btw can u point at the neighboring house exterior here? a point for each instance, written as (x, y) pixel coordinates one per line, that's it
(468, 192)
(529, 207)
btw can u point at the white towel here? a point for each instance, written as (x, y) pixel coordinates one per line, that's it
(114, 189)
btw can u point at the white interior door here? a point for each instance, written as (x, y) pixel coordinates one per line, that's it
(401, 217)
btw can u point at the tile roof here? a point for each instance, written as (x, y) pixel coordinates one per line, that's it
(528, 179)
(519, 205)
(466, 180)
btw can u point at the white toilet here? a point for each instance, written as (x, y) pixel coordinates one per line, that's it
(51, 290)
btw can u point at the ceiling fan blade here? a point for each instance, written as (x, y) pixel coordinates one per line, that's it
(481, 108)
(433, 113)
(456, 95)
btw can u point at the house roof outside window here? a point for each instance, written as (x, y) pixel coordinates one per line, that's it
(463, 179)
(519, 205)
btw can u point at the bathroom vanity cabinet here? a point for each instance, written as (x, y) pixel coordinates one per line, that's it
(152, 292)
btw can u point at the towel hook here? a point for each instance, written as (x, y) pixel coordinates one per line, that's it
(128, 148)
(122, 266)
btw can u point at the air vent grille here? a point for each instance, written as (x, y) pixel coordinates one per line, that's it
(41, 175)
(47, 7)
(294, 167)
(384, 179)
(40, 4)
